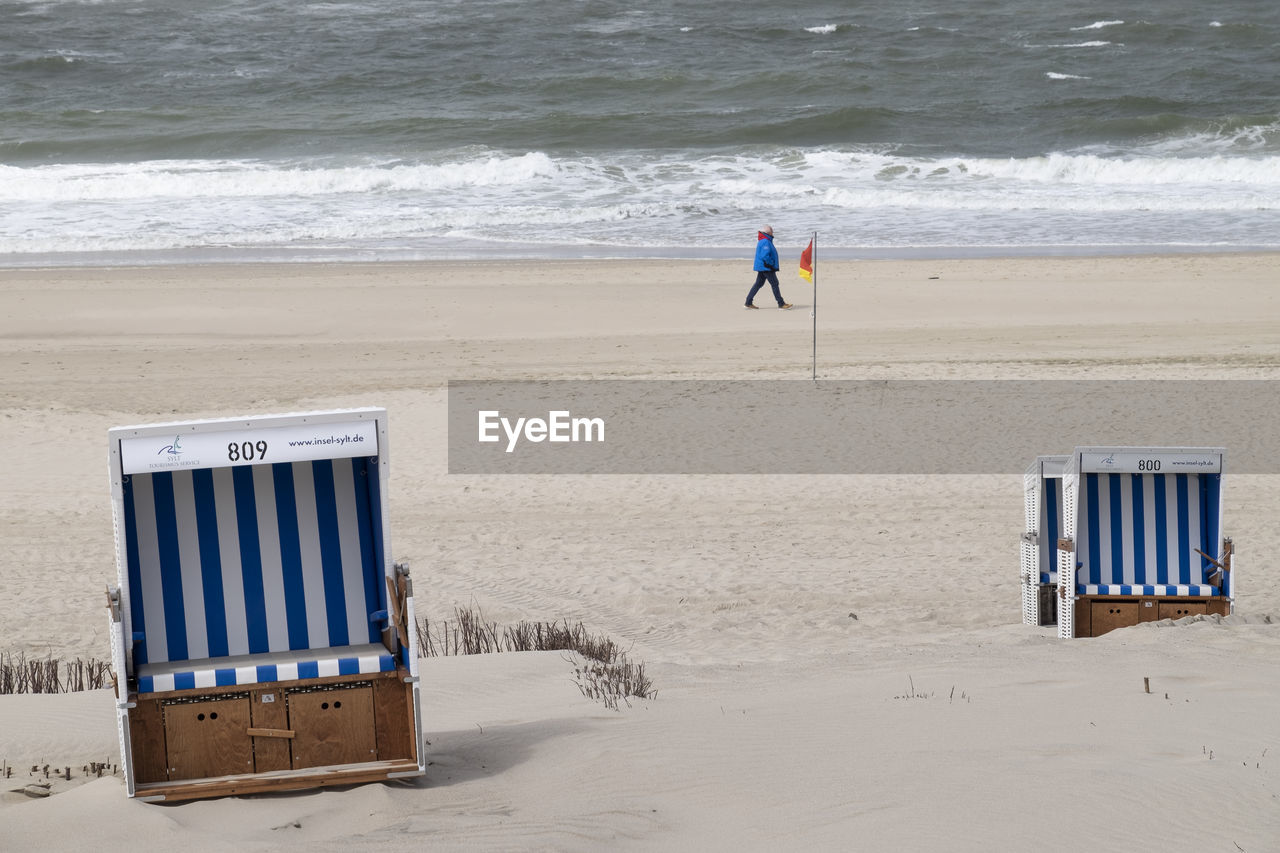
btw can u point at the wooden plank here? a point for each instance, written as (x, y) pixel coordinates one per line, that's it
(393, 719)
(395, 604)
(294, 780)
(333, 726)
(208, 738)
(269, 712)
(1212, 559)
(286, 733)
(146, 741)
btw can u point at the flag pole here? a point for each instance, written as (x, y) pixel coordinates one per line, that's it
(814, 261)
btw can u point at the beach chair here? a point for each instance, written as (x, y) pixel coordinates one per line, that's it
(1042, 487)
(262, 638)
(1142, 538)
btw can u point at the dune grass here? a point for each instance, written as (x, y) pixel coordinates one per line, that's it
(603, 671)
(18, 674)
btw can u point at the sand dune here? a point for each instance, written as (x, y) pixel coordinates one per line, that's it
(839, 660)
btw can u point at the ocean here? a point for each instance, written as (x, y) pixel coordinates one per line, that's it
(138, 131)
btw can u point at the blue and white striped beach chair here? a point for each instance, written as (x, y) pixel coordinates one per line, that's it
(1142, 538)
(260, 628)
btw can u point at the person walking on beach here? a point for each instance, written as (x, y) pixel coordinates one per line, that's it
(766, 267)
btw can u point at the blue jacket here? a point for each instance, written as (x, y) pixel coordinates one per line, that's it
(766, 255)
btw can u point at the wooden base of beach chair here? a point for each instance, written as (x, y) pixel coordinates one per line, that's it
(279, 736)
(278, 781)
(1096, 615)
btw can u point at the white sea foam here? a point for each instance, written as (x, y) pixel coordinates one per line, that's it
(638, 198)
(1097, 25)
(822, 30)
(538, 174)
(1095, 43)
(1054, 75)
(249, 179)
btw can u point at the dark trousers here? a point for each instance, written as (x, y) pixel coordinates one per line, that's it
(761, 277)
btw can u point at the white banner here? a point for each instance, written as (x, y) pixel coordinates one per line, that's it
(225, 448)
(1149, 462)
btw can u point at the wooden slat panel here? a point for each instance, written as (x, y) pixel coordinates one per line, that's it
(1178, 609)
(146, 739)
(1082, 613)
(1149, 610)
(270, 753)
(332, 726)
(208, 738)
(393, 718)
(1108, 615)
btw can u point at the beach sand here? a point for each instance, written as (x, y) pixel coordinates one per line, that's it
(840, 660)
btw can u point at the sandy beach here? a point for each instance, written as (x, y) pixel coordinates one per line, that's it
(840, 660)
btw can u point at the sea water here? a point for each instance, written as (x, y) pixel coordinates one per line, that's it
(134, 130)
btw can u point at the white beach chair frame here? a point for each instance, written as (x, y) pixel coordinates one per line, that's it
(1042, 490)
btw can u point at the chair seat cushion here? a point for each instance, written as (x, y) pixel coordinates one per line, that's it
(263, 668)
(1147, 589)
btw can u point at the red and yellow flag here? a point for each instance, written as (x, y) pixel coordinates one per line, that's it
(806, 263)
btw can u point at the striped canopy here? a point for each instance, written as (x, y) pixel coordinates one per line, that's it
(253, 559)
(1142, 530)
